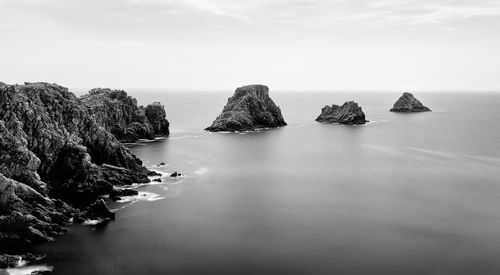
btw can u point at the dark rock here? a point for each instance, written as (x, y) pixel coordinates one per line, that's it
(8, 261)
(157, 180)
(41, 272)
(123, 192)
(407, 103)
(99, 211)
(155, 114)
(250, 108)
(349, 113)
(50, 144)
(119, 114)
(162, 163)
(175, 174)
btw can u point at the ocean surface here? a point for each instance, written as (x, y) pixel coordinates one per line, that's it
(403, 194)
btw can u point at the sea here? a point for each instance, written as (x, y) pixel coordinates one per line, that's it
(404, 194)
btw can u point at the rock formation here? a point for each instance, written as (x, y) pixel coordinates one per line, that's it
(250, 108)
(349, 113)
(407, 103)
(50, 146)
(119, 114)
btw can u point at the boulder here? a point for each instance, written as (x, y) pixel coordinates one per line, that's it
(349, 113)
(250, 108)
(99, 211)
(407, 103)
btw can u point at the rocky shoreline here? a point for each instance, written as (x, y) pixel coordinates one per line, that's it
(58, 157)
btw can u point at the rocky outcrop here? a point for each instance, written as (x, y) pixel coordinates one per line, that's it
(119, 114)
(250, 108)
(50, 146)
(407, 103)
(155, 114)
(349, 113)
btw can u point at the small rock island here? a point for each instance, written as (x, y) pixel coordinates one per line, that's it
(349, 113)
(250, 108)
(407, 103)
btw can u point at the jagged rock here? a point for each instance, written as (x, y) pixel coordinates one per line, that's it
(407, 103)
(28, 217)
(157, 180)
(8, 261)
(250, 108)
(349, 113)
(50, 144)
(119, 114)
(155, 113)
(99, 211)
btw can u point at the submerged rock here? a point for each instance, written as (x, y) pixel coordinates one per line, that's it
(349, 113)
(119, 114)
(50, 142)
(407, 103)
(250, 108)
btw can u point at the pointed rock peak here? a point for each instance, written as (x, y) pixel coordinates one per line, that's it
(250, 108)
(407, 103)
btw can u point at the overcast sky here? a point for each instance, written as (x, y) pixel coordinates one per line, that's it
(306, 45)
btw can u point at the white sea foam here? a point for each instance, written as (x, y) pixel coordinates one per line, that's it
(142, 196)
(28, 269)
(92, 222)
(201, 171)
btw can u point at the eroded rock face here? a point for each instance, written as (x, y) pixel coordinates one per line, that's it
(407, 103)
(349, 113)
(119, 114)
(50, 145)
(250, 108)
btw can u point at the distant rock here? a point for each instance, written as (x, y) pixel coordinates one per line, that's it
(157, 180)
(119, 114)
(407, 103)
(250, 108)
(349, 113)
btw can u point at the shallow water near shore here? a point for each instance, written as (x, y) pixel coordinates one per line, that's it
(403, 194)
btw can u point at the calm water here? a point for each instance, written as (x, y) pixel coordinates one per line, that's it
(404, 194)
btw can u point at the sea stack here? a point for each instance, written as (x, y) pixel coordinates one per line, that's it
(250, 108)
(349, 113)
(407, 103)
(118, 113)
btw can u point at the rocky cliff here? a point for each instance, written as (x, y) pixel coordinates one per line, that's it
(50, 146)
(349, 113)
(407, 103)
(249, 108)
(119, 114)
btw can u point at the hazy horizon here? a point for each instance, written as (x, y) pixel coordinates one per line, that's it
(303, 45)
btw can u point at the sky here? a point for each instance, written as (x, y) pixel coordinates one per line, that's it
(289, 45)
